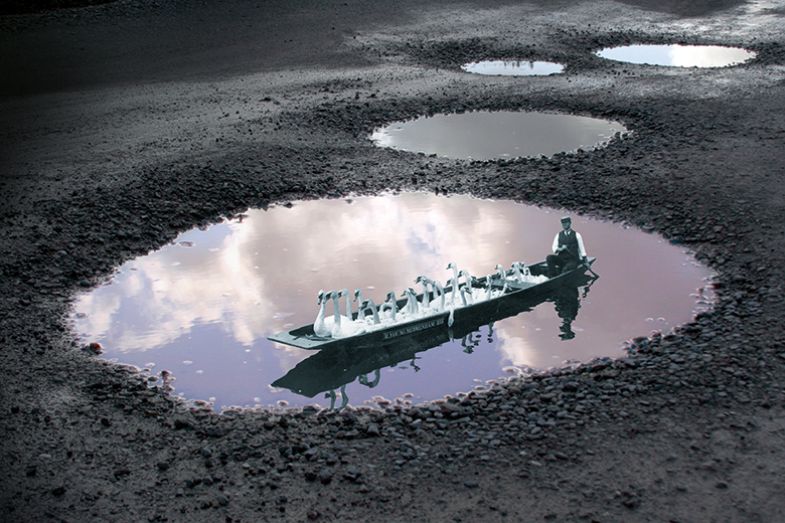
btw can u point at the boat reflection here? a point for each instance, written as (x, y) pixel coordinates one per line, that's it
(330, 370)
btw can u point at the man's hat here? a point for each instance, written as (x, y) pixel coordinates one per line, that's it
(566, 219)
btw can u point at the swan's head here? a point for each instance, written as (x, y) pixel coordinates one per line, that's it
(419, 279)
(356, 294)
(335, 295)
(499, 267)
(320, 296)
(391, 295)
(451, 265)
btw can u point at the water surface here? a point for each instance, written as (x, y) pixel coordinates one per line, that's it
(202, 306)
(676, 55)
(485, 135)
(513, 68)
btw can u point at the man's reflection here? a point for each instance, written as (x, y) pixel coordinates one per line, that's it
(331, 371)
(567, 305)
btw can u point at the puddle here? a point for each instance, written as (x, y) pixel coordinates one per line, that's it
(513, 68)
(485, 135)
(678, 55)
(203, 306)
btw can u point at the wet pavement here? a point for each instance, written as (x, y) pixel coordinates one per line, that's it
(185, 115)
(486, 135)
(202, 307)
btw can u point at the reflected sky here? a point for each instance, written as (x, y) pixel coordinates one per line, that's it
(485, 135)
(678, 55)
(513, 68)
(202, 306)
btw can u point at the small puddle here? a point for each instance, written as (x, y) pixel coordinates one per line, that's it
(486, 135)
(203, 306)
(675, 55)
(513, 68)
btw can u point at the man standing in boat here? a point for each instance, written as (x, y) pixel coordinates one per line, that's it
(568, 250)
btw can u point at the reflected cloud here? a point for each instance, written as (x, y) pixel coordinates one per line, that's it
(513, 68)
(213, 303)
(707, 56)
(515, 349)
(676, 55)
(484, 135)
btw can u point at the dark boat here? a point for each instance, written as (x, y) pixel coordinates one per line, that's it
(340, 364)
(499, 307)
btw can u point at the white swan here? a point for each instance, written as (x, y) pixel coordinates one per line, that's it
(425, 302)
(348, 300)
(466, 290)
(368, 305)
(440, 291)
(524, 275)
(489, 286)
(428, 297)
(411, 301)
(517, 271)
(454, 281)
(391, 304)
(319, 327)
(335, 328)
(338, 325)
(503, 275)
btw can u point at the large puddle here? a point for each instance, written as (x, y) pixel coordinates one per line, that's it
(676, 55)
(202, 307)
(486, 135)
(513, 68)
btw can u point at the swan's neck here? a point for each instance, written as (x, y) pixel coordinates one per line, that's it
(425, 301)
(371, 305)
(412, 302)
(336, 311)
(348, 307)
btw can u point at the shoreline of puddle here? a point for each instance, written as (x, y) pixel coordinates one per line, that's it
(400, 401)
(506, 134)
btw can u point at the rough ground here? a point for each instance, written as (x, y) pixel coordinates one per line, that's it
(126, 123)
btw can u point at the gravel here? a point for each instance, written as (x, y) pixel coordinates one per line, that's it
(99, 169)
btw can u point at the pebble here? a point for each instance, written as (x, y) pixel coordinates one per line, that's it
(154, 205)
(326, 475)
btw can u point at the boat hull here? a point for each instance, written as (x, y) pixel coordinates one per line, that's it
(484, 311)
(339, 364)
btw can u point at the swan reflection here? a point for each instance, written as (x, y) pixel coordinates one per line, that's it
(213, 296)
(334, 368)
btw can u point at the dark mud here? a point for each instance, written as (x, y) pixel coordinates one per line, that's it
(688, 427)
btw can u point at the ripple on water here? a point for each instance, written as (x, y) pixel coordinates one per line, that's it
(676, 55)
(486, 135)
(206, 317)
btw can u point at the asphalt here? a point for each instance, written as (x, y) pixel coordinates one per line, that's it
(126, 123)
